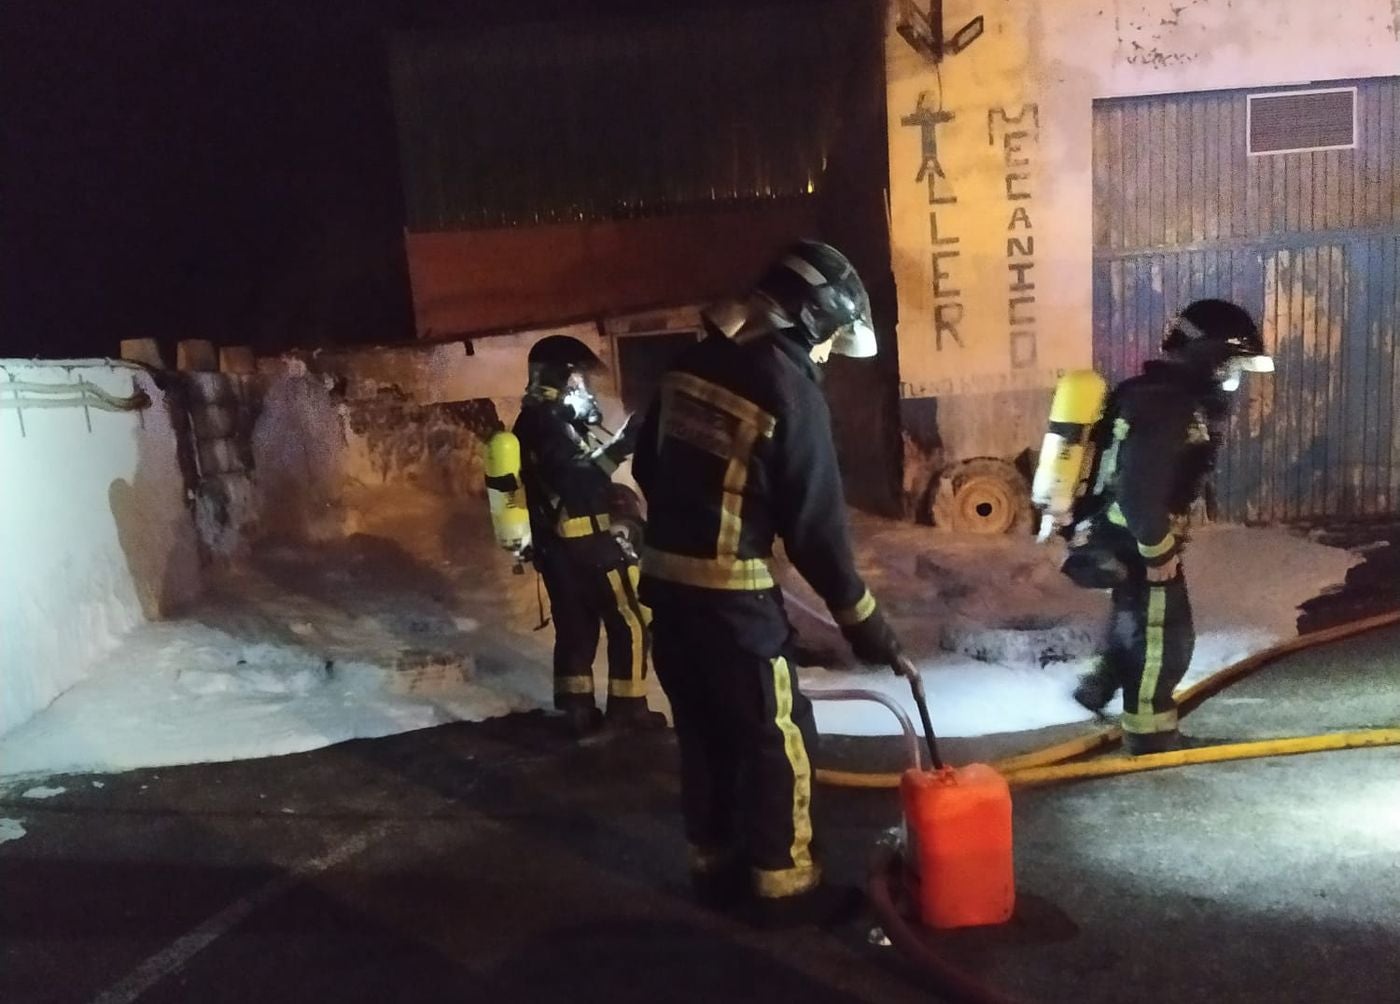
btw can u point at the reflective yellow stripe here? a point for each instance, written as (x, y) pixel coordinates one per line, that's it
(739, 574)
(583, 526)
(736, 479)
(1157, 550)
(1146, 722)
(627, 688)
(725, 400)
(573, 685)
(852, 616)
(776, 883)
(1115, 515)
(634, 575)
(635, 685)
(1152, 659)
(605, 463)
(801, 850)
(753, 423)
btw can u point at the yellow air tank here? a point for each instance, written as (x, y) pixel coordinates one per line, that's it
(1067, 454)
(504, 490)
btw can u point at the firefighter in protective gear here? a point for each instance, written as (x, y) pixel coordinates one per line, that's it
(1159, 439)
(737, 451)
(591, 578)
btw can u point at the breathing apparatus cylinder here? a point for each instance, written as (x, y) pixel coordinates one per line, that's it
(506, 493)
(1067, 453)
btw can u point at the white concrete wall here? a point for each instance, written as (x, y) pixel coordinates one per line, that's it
(985, 324)
(94, 533)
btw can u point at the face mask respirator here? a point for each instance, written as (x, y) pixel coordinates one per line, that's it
(583, 405)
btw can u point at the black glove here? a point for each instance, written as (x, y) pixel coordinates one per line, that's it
(624, 444)
(629, 535)
(873, 640)
(1094, 559)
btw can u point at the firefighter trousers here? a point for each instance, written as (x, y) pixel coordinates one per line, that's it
(1147, 652)
(585, 598)
(744, 731)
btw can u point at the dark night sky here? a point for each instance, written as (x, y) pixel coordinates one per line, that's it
(224, 169)
(210, 170)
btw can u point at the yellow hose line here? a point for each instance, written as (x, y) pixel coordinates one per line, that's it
(1067, 750)
(1192, 696)
(1207, 754)
(856, 779)
(1021, 765)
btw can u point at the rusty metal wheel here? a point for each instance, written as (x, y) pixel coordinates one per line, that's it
(986, 495)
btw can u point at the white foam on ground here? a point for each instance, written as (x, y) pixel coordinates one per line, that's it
(42, 792)
(1246, 586)
(293, 655)
(10, 829)
(299, 652)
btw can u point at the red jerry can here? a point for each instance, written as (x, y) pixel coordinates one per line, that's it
(958, 823)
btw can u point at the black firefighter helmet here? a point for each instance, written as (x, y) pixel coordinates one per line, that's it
(556, 358)
(1217, 337)
(559, 367)
(821, 298)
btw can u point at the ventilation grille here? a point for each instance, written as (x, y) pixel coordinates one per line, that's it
(1297, 121)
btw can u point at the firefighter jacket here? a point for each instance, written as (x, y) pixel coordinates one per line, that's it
(737, 451)
(566, 473)
(1160, 441)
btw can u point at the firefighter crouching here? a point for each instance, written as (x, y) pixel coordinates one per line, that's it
(735, 451)
(1157, 442)
(587, 564)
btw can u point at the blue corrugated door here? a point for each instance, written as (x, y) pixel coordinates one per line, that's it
(1308, 241)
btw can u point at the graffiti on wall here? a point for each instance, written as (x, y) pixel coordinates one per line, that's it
(947, 298)
(983, 383)
(1018, 135)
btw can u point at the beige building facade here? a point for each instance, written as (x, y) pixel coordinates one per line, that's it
(1019, 164)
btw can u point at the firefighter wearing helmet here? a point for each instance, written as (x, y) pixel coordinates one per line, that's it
(1157, 442)
(736, 452)
(589, 569)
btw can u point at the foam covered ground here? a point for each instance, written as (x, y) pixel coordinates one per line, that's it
(413, 619)
(1001, 636)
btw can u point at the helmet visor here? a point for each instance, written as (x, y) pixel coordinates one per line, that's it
(1230, 372)
(855, 340)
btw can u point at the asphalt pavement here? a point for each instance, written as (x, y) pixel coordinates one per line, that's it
(500, 862)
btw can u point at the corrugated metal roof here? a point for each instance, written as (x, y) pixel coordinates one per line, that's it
(603, 120)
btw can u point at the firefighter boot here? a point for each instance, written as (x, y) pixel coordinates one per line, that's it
(631, 714)
(1168, 742)
(1142, 743)
(581, 716)
(825, 906)
(1096, 689)
(723, 889)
